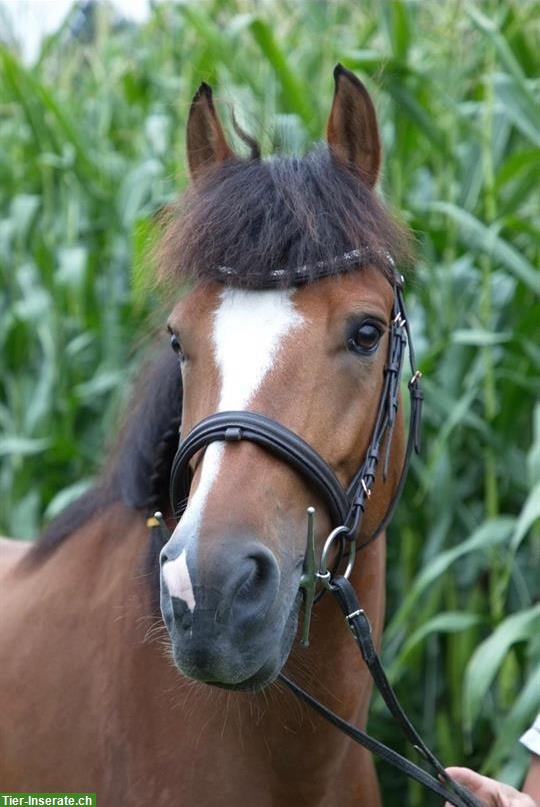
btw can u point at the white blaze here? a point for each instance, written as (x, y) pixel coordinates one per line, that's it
(248, 330)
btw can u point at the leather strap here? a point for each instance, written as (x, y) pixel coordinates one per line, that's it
(361, 629)
(275, 438)
(381, 750)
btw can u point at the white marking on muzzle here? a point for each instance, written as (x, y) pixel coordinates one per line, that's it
(248, 330)
(176, 576)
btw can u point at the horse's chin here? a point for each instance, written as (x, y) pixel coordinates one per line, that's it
(262, 679)
(264, 676)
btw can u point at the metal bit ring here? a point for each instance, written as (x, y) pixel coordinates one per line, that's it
(324, 574)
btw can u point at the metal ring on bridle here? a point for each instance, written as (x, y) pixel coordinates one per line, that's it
(324, 575)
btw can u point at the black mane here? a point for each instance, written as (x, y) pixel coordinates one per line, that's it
(137, 471)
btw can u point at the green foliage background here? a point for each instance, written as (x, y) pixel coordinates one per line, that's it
(92, 144)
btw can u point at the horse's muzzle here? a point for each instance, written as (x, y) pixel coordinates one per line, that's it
(225, 616)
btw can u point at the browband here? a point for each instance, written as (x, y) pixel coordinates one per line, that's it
(276, 278)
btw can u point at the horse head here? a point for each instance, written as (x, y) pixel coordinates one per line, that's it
(289, 315)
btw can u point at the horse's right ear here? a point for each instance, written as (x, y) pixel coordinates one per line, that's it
(352, 131)
(206, 143)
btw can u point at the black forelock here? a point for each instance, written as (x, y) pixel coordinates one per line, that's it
(283, 213)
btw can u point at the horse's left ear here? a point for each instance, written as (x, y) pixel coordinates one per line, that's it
(206, 143)
(352, 131)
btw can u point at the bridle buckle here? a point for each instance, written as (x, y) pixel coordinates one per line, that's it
(365, 488)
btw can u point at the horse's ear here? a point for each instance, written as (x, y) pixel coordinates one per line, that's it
(206, 143)
(352, 131)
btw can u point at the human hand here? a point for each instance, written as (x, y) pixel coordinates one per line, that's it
(492, 793)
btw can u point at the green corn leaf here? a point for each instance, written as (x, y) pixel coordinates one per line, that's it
(395, 16)
(474, 234)
(65, 497)
(295, 94)
(15, 446)
(488, 657)
(515, 104)
(504, 52)
(515, 723)
(412, 108)
(490, 534)
(524, 160)
(146, 232)
(447, 622)
(478, 337)
(533, 455)
(528, 516)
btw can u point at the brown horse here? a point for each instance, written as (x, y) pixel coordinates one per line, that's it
(97, 691)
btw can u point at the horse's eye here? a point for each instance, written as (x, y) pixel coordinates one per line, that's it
(176, 346)
(364, 338)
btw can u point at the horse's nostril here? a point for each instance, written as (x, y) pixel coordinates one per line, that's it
(182, 614)
(255, 577)
(256, 584)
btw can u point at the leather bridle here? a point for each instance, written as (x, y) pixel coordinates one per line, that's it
(346, 506)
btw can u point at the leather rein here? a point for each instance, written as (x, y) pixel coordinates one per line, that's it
(346, 507)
